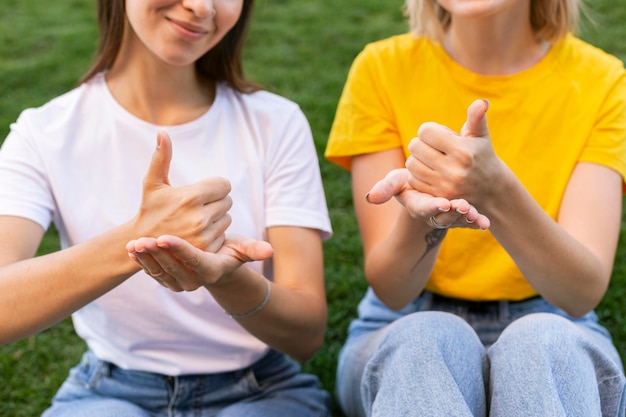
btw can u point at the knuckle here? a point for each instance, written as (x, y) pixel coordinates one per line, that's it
(464, 158)
(189, 199)
(192, 262)
(170, 269)
(229, 202)
(190, 286)
(224, 184)
(227, 221)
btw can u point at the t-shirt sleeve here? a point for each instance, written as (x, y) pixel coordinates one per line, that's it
(607, 142)
(293, 184)
(24, 190)
(364, 121)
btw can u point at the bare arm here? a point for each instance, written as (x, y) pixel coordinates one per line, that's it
(294, 319)
(400, 246)
(36, 293)
(568, 261)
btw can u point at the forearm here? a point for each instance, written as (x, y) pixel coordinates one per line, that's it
(39, 292)
(560, 268)
(292, 321)
(398, 268)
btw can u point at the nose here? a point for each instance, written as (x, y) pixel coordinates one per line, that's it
(202, 8)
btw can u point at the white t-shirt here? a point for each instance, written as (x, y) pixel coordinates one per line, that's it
(79, 161)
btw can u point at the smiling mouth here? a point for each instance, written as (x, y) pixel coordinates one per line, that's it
(189, 28)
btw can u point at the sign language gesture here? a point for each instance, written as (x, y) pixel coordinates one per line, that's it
(448, 174)
(197, 213)
(180, 266)
(456, 165)
(439, 212)
(199, 254)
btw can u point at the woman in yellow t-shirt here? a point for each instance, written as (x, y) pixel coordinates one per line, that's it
(506, 214)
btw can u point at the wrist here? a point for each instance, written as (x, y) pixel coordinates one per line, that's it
(257, 309)
(241, 294)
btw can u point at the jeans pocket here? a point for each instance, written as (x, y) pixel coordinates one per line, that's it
(250, 381)
(89, 372)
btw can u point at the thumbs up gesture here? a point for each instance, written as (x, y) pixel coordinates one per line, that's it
(181, 241)
(448, 175)
(454, 165)
(197, 213)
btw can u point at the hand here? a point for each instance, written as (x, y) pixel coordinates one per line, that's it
(197, 213)
(452, 165)
(180, 266)
(419, 205)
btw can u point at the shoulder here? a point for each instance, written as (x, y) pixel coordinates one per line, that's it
(62, 109)
(261, 101)
(397, 47)
(262, 108)
(394, 56)
(589, 61)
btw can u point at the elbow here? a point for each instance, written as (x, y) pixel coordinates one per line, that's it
(393, 303)
(581, 306)
(392, 300)
(303, 341)
(390, 287)
(309, 345)
(313, 339)
(11, 334)
(392, 296)
(580, 309)
(577, 312)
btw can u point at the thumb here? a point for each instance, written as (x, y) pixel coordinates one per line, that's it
(158, 172)
(393, 183)
(259, 250)
(248, 249)
(476, 123)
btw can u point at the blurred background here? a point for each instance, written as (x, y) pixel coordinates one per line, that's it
(299, 49)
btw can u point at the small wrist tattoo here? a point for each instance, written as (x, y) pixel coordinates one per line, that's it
(433, 239)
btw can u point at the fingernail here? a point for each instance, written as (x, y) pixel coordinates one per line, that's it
(469, 221)
(461, 212)
(367, 198)
(441, 210)
(487, 103)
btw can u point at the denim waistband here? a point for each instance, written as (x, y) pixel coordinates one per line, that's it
(273, 384)
(477, 307)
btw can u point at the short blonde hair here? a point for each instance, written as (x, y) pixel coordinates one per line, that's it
(551, 19)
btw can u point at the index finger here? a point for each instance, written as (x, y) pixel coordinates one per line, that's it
(436, 136)
(211, 189)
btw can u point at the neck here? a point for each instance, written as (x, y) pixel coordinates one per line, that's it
(158, 93)
(501, 44)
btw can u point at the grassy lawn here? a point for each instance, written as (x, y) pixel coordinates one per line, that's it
(299, 49)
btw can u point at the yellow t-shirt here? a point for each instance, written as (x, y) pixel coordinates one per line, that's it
(569, 107)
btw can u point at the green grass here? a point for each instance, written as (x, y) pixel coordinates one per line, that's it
(299, 49)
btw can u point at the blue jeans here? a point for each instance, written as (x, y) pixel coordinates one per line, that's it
(443, 357)
(273, 386)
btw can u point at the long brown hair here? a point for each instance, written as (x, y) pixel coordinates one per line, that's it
(222, 63)
(550, 19)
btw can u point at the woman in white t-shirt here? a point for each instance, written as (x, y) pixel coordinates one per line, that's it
(193, 271)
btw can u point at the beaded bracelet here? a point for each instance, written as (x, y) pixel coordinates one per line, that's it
(257, 308)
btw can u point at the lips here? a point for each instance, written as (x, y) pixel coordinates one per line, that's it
(187, 29)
